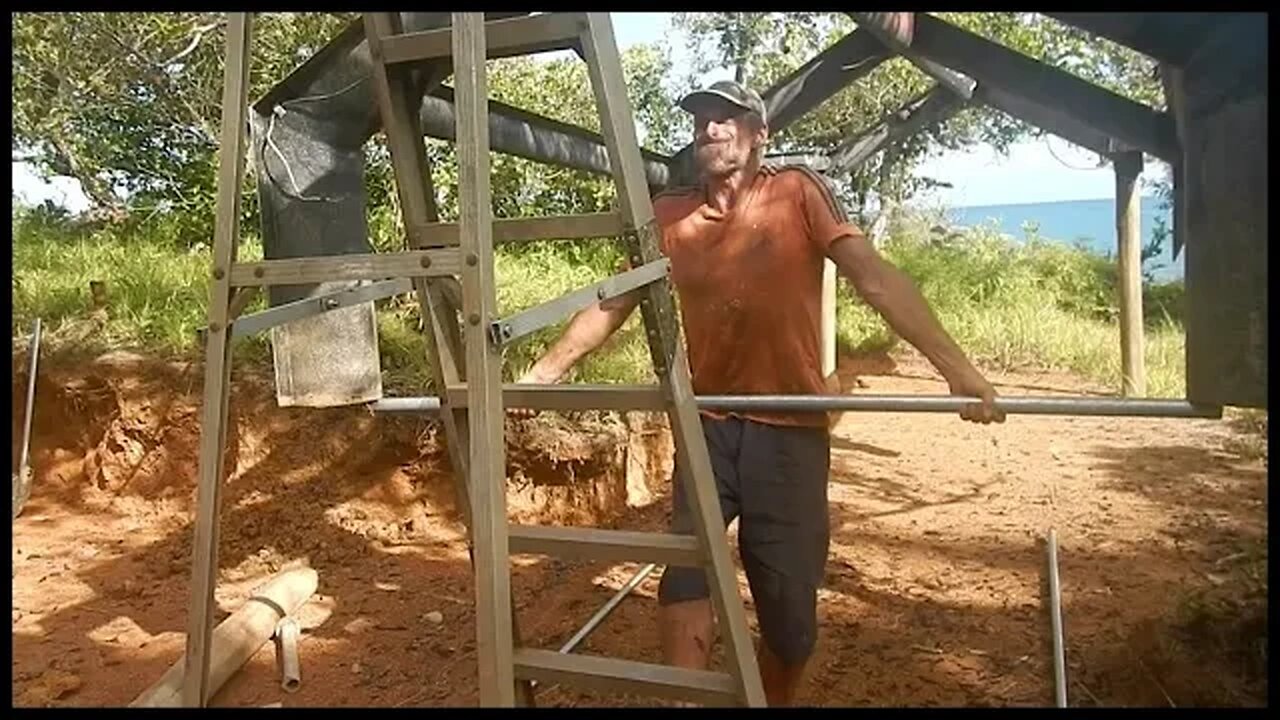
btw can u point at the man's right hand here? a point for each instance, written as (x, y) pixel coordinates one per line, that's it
(532, 377)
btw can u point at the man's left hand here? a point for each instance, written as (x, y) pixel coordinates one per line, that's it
(972, 384)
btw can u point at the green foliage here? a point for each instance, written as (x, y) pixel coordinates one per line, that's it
(129, 104)
(1016, 304)
(1009, 305)
(156, 290)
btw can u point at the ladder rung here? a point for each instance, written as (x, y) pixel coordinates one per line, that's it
(358, 266)
(559, 227)
(503, 38)
(571, 397)
(612, 675)
(579, 543)
(531, 320)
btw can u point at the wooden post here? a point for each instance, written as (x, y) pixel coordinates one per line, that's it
(196, 687)
(1128, 166)
(487, 466)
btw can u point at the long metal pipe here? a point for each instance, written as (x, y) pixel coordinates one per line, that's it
(286, 637)
(22, 480)
(605, 609)
(1033, 405)
(31, 395)
(1055, 617)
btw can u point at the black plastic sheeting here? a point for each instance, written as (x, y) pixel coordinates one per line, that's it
(307, 138)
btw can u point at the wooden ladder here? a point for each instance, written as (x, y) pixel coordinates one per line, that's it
(467, 360)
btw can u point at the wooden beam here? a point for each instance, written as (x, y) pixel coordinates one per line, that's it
(997, 67)
(1168, 37)
(1128, 168)
(1048, 119)
(596, 544)
(494, 633)
(829, 72)
(928, 108)
(1171, 78)
(508, 37)
(196, 682)
(610, 675)
(895, 30)
(332, 268)
(1231, 64)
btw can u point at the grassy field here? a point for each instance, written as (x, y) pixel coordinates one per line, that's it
(1031, 305)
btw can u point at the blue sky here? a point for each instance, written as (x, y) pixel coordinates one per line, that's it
(1043, 170)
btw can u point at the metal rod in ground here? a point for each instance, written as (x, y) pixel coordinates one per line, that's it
(1077, 406)
(286, 636)
(22, 481)
(1055, 614)
(607, 608)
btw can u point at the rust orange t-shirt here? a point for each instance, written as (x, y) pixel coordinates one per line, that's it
(750, 286)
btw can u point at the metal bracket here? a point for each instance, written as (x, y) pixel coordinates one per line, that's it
(297, 310)
(540, 316)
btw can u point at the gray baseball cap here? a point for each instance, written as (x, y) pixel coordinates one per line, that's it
(733, 92)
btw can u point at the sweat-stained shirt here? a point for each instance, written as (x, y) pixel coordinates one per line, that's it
(750, 286)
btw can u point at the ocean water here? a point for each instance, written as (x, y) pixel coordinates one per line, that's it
(1091, 222)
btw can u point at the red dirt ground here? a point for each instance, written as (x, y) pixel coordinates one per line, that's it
(935, 590)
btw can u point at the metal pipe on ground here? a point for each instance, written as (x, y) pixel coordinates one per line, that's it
(286, 637)
(1031, 405)
(22, 480)
(607, 608)
(237, 638)
(1055, 617)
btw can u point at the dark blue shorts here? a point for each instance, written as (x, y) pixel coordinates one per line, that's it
(774, 480)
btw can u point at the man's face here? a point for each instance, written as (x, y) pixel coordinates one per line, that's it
(723, 138)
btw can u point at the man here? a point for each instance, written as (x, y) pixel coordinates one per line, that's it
(747, 246)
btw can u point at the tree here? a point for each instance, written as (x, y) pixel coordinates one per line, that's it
(129, 104)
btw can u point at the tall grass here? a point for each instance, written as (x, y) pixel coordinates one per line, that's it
(1024, 304)
(1008, 304)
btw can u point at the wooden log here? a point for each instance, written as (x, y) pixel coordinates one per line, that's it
(1128, 167)
(237, 638)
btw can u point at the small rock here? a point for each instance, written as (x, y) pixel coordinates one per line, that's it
(356, 668)
(435, 617)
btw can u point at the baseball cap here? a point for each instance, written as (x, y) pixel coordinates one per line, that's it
(734, 92)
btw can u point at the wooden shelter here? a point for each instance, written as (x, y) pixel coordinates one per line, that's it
(1213, 134)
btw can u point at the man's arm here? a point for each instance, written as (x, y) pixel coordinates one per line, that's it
(893, 294)
(587, 331)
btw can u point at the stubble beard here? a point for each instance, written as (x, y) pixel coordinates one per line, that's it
(717, 161)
